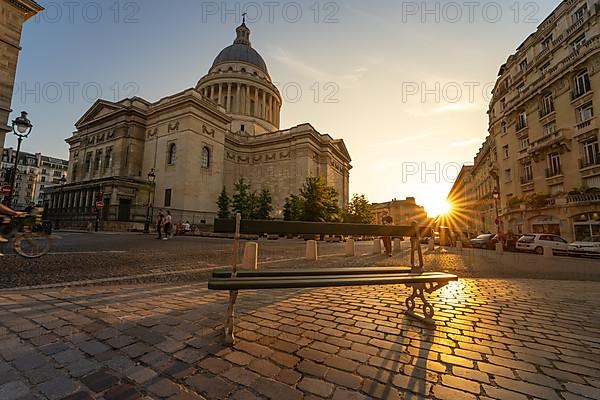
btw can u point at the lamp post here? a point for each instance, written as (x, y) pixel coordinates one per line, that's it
(62, 181)
(21, 128)
(150, 207)
(496, 195)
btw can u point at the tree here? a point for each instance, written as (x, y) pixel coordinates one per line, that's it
(223, 203)
(359, 211)
(320, 202)
(243, 199)
(293, 208)
(263, 205)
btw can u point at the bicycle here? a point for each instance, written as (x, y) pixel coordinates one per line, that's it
(28, 239)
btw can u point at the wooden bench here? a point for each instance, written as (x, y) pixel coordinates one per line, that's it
(421, 283)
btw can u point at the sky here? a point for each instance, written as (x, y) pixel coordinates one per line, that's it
(405, 84)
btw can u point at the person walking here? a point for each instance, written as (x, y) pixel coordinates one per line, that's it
(387, 240)
(168, 225)
(159, 223)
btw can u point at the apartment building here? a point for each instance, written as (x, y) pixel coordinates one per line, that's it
(462, 197)
(539, 168)
(35, 173)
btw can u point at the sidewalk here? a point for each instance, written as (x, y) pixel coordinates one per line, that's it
(495, 339)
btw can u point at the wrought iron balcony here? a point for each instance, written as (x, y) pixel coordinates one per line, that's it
(589, 162)
(525, 180)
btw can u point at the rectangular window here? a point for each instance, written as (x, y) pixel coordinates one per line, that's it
(549, 129)
(579, 14)
(527, 173)
(577, 43)
(585, 112)
(554, 167)
(544, 68)
(167, 197)
(525, 143)
(582, 84)
(546, 43)
(547, 104)
(523, 65)
(508, 175)
(521, 88)
(505, 151)
(591, 153)
(522, 121)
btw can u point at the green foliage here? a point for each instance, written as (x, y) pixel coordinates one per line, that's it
(250, 204)
(224, 203)
(293, 208)
(359, 211)
(263, 205)
(320, 202)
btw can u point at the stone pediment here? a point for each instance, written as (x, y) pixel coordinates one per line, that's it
(101, 108)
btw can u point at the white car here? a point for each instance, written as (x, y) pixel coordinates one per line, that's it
(589, 245)
(536, 242)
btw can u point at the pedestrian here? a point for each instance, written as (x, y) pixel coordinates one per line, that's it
(159, 223)
(168, 226)
(387, 240)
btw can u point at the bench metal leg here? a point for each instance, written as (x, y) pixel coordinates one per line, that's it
(230, 323)
(418, 292)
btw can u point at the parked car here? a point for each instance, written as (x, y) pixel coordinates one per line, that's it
(587, 246)
(485, 241)
(537, 241)
(436, 238)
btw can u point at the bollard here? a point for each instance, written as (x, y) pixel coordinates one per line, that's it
(377, 246)
(431, 245)
(350, 249)
(548, 252)
(397, 245)
(311, 250)
(499, 248)
(459, 245)
(250, 260)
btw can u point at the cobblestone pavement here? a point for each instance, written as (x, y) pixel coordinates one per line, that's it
(495, 339)
(80, 257)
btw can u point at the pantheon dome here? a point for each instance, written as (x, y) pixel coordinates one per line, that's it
(239, 81)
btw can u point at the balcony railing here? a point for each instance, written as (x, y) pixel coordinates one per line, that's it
(583, 198)
(578, 23)
(577, 94)
(553, 172)
(589, 162)
(525, 180)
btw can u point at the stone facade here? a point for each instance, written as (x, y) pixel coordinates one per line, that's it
(196, 142)
(13, 14)
(35, 173)
(403, 212)
(542, 155)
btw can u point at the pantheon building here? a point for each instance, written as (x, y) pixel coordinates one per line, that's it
(180, 151)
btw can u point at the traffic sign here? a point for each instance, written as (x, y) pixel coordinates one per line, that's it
(5, 189)
(99, 204)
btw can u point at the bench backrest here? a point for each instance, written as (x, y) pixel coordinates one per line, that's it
(248, 226)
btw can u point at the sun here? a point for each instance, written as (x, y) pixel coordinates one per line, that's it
(436, 207)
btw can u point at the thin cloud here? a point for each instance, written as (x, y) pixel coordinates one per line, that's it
(467, 142)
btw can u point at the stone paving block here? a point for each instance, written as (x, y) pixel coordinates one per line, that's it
(583, 390)
(13, 390)
(241, 375)
(446, 393)
(163, 388)
(82, 367)
(100, 381)
(93, 347)
(140, 374)
(214, 365)
(58, 388)
(377, 390)
(343, 378)
(79, 396)
(123, 392)
(211, 386)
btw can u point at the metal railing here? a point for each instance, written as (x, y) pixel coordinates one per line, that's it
(589, 162)
(553, 172)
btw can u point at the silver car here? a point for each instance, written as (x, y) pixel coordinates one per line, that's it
(589, 245)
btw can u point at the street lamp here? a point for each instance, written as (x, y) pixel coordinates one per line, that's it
(151, 179)
(62, 181)
(21, 128)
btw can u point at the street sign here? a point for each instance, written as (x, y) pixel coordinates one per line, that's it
(99, 204)
(5, 189)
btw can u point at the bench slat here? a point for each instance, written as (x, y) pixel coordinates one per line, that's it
(239, 283)
(226, 273)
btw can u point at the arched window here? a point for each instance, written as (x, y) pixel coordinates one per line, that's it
(205, 157)
(582, 83)
(172, 154)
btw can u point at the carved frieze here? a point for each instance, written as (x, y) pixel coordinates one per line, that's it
(173, 127)
(110, 134)
(284, 155)
(150, 133)
(230, 156)
(208, 132)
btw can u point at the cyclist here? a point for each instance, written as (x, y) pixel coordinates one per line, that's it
(5, 217)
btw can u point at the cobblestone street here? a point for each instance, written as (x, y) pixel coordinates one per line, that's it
(495, 339)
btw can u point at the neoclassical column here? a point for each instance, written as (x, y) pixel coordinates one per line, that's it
(247, 100)
(238, 99)
(256, 113)
(264, 104)
(270, 108)
(208, 92)
(220, 100)
(228, 102)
